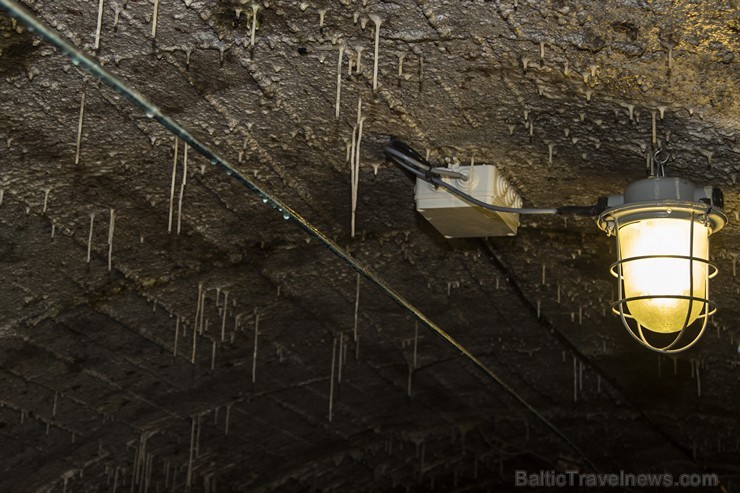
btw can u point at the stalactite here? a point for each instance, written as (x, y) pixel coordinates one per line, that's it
(79, 124)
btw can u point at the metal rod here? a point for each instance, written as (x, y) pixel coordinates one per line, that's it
(34, 25)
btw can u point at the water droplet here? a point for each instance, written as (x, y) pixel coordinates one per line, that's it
(214, 161)
(286, 216)
(149, 114)
(75, 61)
(264, 200)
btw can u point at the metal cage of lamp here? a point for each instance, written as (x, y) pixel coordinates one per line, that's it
(669, 201)
(684, 336)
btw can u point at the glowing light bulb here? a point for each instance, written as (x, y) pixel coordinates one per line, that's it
(661, 278)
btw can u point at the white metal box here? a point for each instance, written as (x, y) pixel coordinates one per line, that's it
(455, 218)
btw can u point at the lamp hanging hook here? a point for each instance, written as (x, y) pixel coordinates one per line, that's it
(661, 157)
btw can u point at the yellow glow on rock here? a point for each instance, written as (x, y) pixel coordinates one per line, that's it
(661, 277)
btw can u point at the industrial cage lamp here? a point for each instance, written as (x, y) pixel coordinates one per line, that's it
(662, 227)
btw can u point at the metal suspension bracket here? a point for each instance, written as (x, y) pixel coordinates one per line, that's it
(660, 157)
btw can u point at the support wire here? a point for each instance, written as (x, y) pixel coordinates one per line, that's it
(34, 25)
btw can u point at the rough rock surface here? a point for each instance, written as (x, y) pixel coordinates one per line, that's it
(120, 379)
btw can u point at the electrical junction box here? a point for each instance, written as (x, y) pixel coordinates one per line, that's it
(456, 218)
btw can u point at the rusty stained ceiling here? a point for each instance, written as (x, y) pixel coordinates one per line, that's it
(215, 357)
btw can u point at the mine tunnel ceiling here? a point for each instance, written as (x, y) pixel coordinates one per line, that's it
(240, 354)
